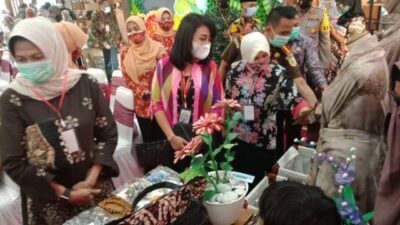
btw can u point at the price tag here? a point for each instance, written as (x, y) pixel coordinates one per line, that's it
(70, 140)
(249, 112)
(184, 116)
(243, 177)
(107, 28)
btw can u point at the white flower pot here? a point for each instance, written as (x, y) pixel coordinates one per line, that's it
(225, 213)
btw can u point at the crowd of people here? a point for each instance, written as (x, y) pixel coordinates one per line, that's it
(311, 65)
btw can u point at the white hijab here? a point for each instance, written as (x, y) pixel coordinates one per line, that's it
(252, 44)
(44, 34)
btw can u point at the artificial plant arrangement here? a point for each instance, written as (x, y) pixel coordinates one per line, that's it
(344, 176)
(203, 164)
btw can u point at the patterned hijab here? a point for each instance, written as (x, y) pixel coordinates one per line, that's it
(44, 34)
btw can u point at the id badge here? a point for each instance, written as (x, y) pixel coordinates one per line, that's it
(184, 116)
(107, 28)
(70, 140)
(249, 112)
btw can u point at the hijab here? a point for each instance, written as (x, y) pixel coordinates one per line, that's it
(44, 34)
(74, 38)
(252, 44)
(159, 30)
(141, 58)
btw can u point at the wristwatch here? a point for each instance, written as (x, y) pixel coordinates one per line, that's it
(66, 194)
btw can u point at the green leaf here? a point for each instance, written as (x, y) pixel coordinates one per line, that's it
(217, 151)
(232, 136)
(368, 216)
(208, 195)
(229, 146)
(192, 173)
(229, 156)
(237, 116)
(198, 162)
(349, 194)
(207, 139)
(232, 123)
(210, 164)
(226, 166)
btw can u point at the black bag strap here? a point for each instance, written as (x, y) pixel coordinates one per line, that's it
(143, 194)
(152, 188)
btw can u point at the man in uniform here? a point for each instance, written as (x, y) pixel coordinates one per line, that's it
(306, 54)
(315, 23)
(247, 23)
(222, 17)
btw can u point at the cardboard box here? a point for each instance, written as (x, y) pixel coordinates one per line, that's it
(91, 6)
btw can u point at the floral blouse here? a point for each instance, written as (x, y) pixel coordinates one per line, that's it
(141, 103)
(267, 90)
(167, 42)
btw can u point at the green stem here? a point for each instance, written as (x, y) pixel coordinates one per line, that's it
(213, 158)
(228, 131)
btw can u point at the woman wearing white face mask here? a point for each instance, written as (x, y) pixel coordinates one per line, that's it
(186, 84)
(50, 119)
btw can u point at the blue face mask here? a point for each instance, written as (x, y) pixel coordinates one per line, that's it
(37, 72)
(295, 33)
(279, 41)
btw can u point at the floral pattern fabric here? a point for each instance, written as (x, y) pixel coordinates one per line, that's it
(167, 42)
(267, 90)
(84, 110)
(141, 90)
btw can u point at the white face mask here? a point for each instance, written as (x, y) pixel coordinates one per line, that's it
(200, 51)
(251, 11)
(107, 9)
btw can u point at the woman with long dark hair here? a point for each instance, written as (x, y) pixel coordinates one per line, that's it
(187, 83)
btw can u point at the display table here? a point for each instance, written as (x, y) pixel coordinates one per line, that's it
(10, 202)
(97, 216)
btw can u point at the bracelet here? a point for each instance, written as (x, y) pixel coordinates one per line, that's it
(170, 137)
(67, 194)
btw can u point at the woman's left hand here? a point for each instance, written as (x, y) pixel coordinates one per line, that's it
(84, 184)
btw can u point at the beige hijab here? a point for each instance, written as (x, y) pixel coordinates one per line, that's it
(74, 37)
(142, 58)
(159, 30)
(44, 34)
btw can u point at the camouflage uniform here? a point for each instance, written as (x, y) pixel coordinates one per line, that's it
(221, 40)
(237, 30)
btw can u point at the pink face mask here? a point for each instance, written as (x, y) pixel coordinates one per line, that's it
(260, 66)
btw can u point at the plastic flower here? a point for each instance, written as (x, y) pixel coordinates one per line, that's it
(345, 174)
(208, 124)
(189, 149)
(227, 103)
(350, 212)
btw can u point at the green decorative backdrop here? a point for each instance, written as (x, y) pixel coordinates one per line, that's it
(136, 7)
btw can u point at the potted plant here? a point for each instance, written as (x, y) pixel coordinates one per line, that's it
(225, 194)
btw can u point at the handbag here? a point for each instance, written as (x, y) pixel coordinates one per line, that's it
(44, 148)
(152, 154)
(182, 206)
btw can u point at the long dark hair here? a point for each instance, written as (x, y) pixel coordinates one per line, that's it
(181, 51)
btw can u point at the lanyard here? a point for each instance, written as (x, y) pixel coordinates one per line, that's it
(185, 85)
(60, 103)
(251, 88)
